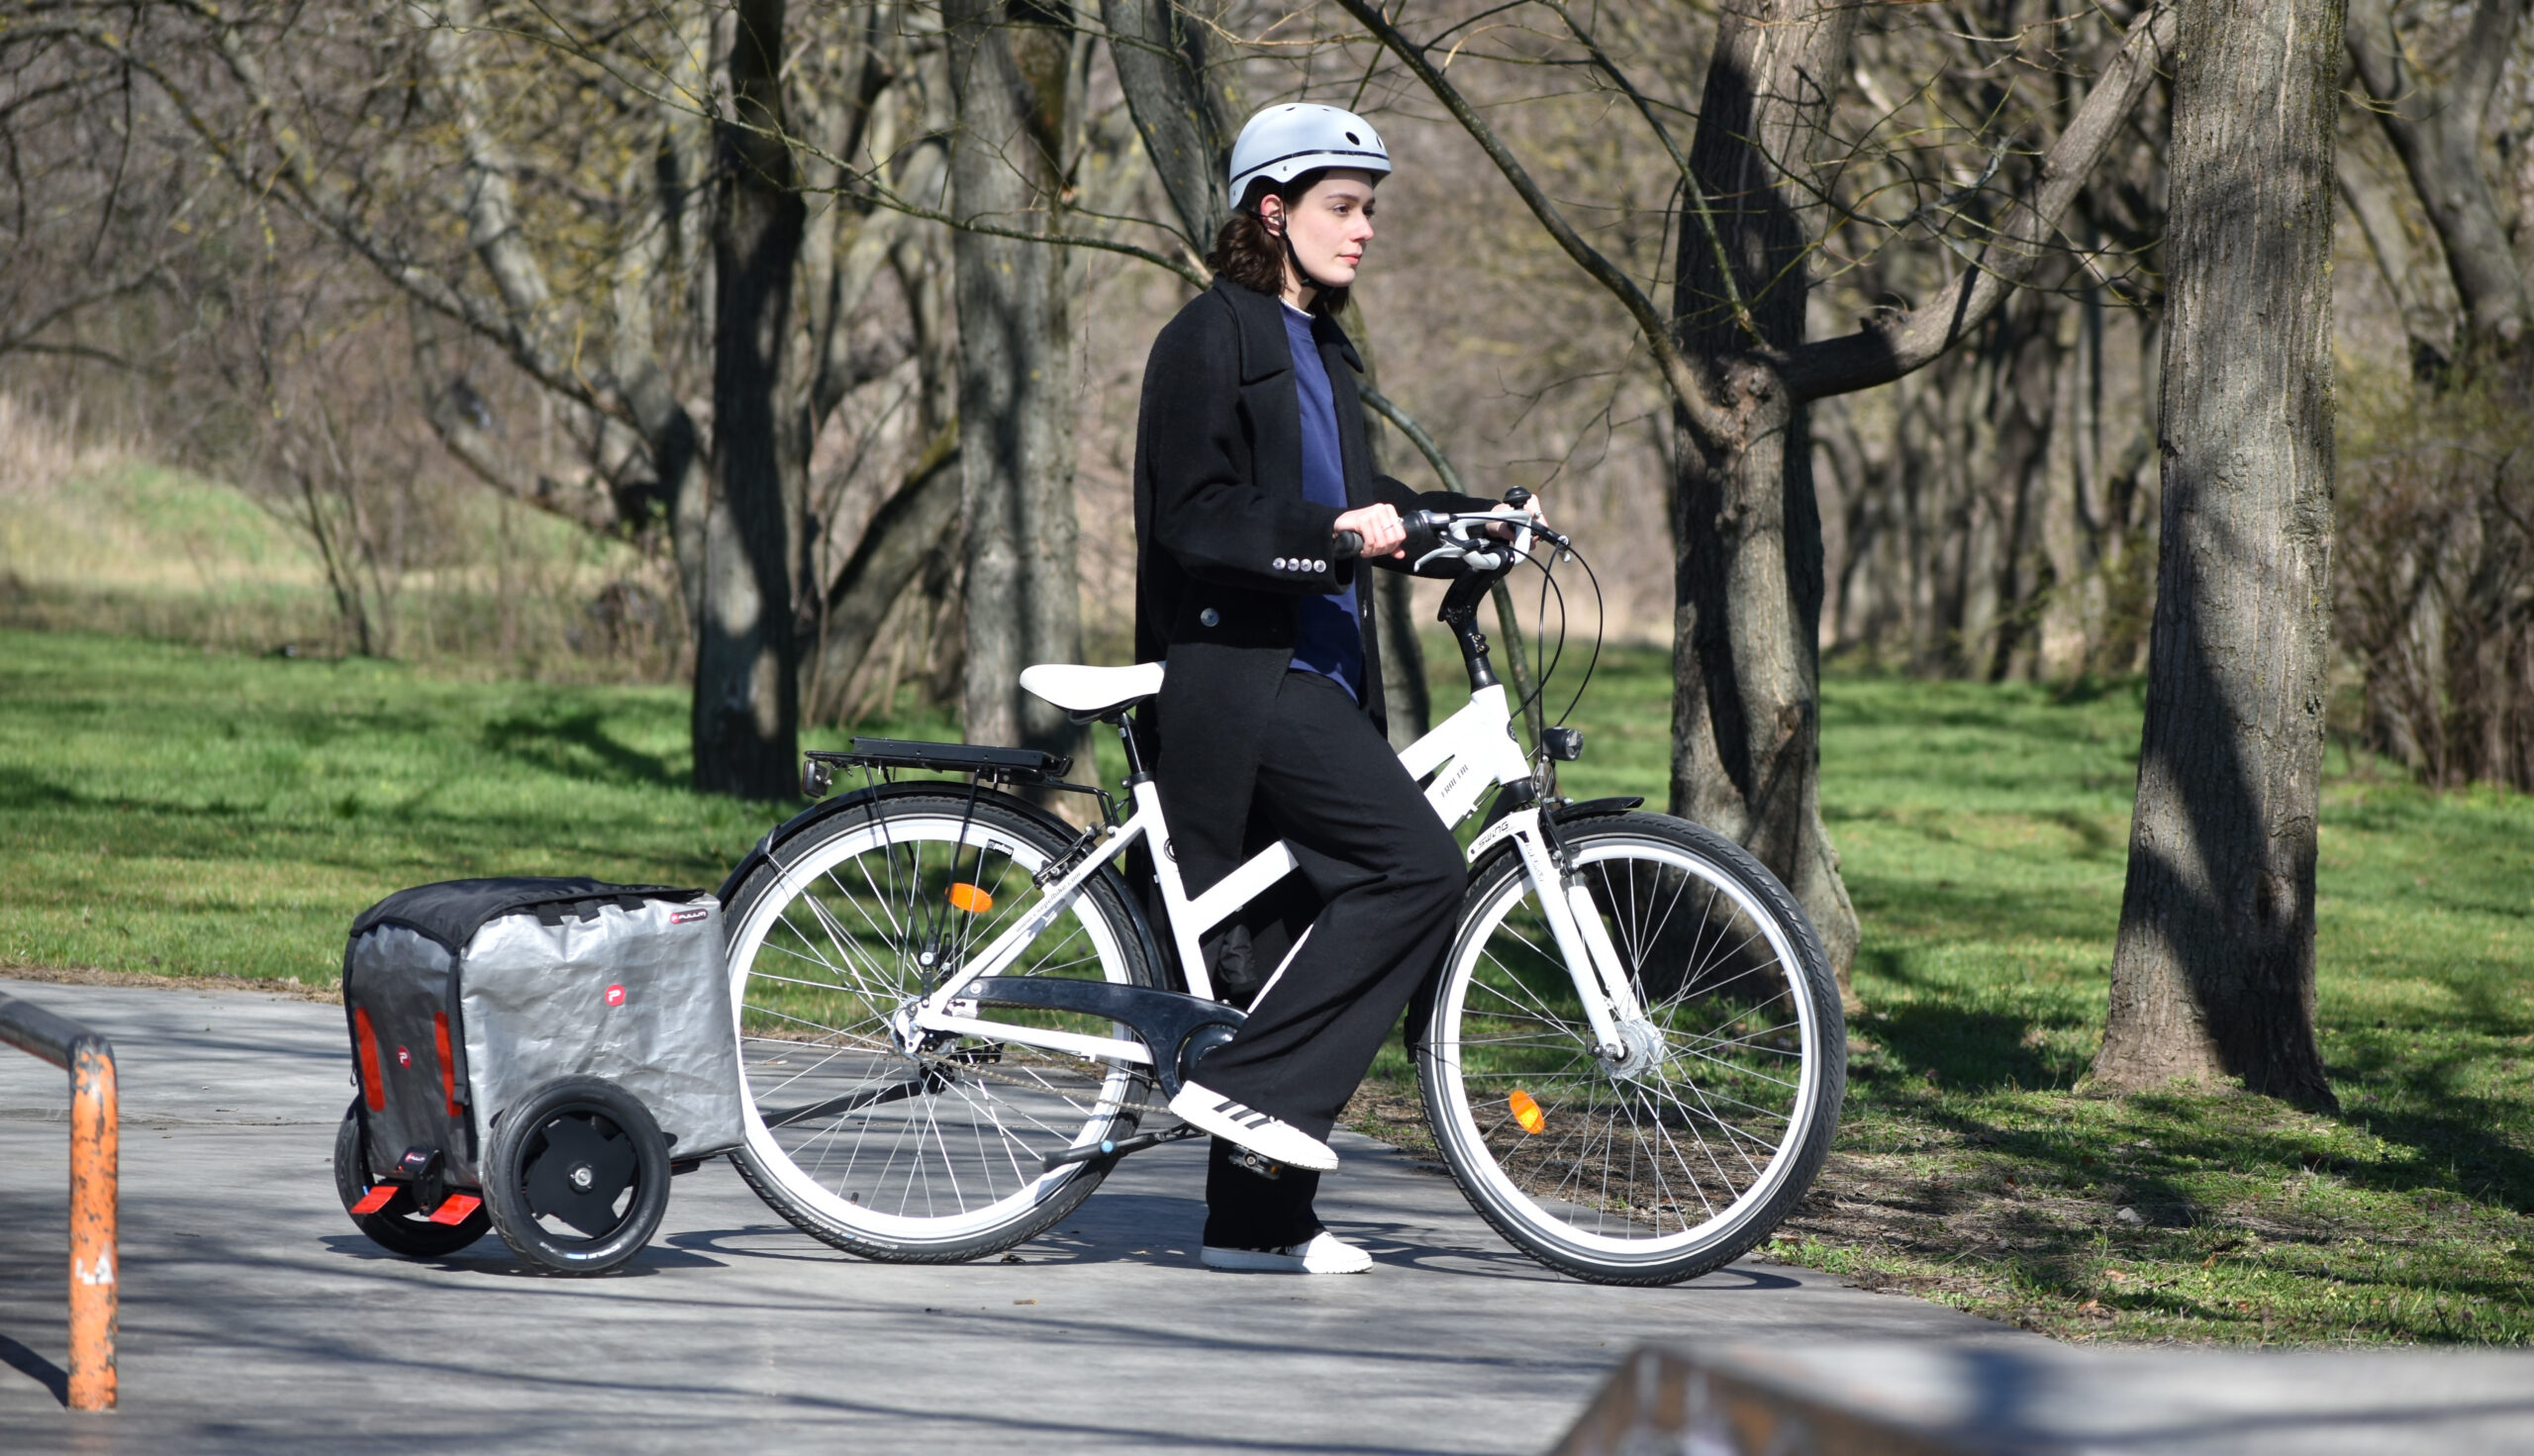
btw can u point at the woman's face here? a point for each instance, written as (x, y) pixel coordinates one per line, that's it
(1331, 225)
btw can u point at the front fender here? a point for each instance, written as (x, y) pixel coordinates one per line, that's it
(1490, 839)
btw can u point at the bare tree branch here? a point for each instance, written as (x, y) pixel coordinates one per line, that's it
(1678, 375)
(1887, 347)
(1380, 404)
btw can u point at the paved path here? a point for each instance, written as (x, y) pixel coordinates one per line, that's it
(256, 1319)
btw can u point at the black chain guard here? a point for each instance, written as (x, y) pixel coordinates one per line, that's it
(1172, 1024)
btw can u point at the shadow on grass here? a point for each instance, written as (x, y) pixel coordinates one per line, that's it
(2406, 1092)
(576, 744)
(1972, 1051)
(20, 789)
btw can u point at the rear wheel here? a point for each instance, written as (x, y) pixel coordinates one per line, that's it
(1678, 1155)
(900, 1145)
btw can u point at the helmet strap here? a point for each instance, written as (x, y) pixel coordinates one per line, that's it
(1282, 226)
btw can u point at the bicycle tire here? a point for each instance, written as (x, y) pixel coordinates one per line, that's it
(399, 1227)
(576, 1176)
(941, 1161)
(1596, 1177)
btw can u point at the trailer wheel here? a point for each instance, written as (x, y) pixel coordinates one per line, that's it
(397, 1227)
(577, 1176)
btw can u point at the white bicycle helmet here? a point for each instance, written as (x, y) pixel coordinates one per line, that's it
(1282, 143)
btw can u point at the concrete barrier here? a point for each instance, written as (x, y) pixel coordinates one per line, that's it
(1717, 1402)
(2035, 1395)
(95, 1128)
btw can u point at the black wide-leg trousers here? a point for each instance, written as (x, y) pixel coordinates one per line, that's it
(1390, 879)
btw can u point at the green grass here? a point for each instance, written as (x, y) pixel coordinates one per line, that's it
(120, 544)
(184, 812)
(1983, 831)
(167, 810)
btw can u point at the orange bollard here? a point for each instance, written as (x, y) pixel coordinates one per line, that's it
(94, 1263)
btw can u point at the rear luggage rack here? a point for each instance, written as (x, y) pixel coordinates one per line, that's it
(994, 765)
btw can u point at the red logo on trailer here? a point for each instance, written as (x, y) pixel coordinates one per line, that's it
(403, 1058)
(615, 996)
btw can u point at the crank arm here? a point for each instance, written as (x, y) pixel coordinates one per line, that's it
(1164, 1022)
(1107, 1150)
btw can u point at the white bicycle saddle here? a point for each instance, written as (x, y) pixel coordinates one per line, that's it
(1091, 691)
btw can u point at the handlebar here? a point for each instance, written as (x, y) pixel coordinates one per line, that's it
(1456, 538)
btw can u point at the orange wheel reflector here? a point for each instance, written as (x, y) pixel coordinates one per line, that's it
(1527, 1112)
(374, 1200)
(967, 896)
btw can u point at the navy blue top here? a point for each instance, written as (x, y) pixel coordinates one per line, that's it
(1330, 640)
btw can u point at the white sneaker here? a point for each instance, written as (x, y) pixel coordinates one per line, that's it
(1272, 1138)
(1324, 1253)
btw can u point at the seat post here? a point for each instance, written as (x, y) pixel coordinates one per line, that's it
(1126, 725)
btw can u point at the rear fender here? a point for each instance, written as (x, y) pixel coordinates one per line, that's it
(763, 853)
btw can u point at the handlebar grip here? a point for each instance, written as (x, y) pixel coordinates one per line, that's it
(1345, 546)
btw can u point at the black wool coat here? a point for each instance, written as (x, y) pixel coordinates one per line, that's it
(1228, 548)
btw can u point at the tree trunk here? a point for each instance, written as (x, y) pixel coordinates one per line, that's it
(747, 663)
(904, 534)
(1186, 98)
(1747, 531)
(2371, 198)
(2214, 973)
(1010, 73)
(2437, 133)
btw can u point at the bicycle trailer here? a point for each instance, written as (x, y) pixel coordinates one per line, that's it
(536, 1055)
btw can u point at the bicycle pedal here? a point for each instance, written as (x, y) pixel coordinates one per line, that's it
(1250, 1162)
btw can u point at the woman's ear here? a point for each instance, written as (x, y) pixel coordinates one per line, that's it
(1271, 212)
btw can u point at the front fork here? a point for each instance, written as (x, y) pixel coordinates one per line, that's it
(1601, 980)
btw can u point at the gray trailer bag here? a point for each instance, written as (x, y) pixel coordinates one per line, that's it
(465, 996)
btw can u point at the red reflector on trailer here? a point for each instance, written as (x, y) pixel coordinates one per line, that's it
(447, 1065)
(455, 1208)
(373, 1084)
(374, 1200)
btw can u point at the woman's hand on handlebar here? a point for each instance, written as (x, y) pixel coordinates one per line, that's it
(1379, 528)
(1528, 506)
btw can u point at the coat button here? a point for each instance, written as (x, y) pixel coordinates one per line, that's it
(1280, 563)
(1320, 566)
(1209, 616)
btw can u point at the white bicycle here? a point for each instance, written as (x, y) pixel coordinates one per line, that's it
(954, 1017)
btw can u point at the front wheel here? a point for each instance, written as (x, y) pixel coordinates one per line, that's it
(1677, 1155)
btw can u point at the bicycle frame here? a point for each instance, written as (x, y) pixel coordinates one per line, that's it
(1468, 753)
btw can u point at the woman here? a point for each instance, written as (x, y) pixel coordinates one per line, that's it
(1250, 456)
